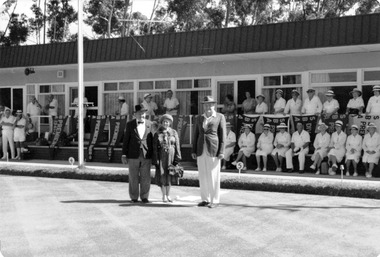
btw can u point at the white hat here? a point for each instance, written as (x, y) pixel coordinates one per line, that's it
(267, 126)
(376, 88)
(282, 125)
(354, 127)
(279, 91)
(371, 125)
(19, 112)
(339, 123)
(246, 125)
(322, 124)
(330, 93)
(357, 91)
(121, 98)
(147, 95)
(260, 95)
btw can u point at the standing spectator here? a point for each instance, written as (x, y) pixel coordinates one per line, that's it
(373, 106)
(371, 147)
(33, 110)
(281, 144)
(294, 105)
(124, 108)
(230, 145)
(248, 104)
(353, 150)
(7, 122)
(264, 147)
(149, 104)
(261, 107)
(279, 105)
(52, 107)
(137, 150)
(337, 147)
(229, 107)
(19, 133)
(331, 105)
(166, 153)
(76, 105)
(356, 103)
(312, 104)
(246, 144)
(321, 146)
(208, 149)
(171, 104)
(299, 146)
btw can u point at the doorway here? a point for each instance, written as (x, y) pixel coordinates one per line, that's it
(12, 98)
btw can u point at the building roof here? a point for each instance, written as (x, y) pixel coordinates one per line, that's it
(321, 33)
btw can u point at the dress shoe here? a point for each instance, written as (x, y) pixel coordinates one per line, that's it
(223, 167)
(264, 170)
(233, 163)
(258, 169)
(347, 174)
(169, 199)
(204, 203)
(318, 172)
(312, 167)
(145, 200)
(290, 170)
(355, 174)
(134, 201)
(212, 205)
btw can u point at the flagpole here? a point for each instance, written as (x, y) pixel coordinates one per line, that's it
(80, 86)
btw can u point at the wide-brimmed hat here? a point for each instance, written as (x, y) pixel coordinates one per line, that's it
(322, 124)
(282, 126)
(229, 125)
(266, 126)
(19, 112)
(357, 91)
(376, 88)
(338, 123)
(310, 90)
(208, 99)
(279, 91)
(371, 125)
(121, 98)
(147, 95)
(140, 108)
(329, 93)
(354, 127)
(294, 91)
(260, 95)
(247, 125)
(6, 109)
(166, 117)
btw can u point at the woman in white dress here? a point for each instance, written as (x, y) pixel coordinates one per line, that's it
(230, 145)
(281, 144)
(371, 147)
(331, 105)
(247, 145)
(373, 106)
(353, 150)
(356, 103)
(279, 105)
(321, 146)
(337, 147)
(261, 107)
(264, 147)
(294, 105)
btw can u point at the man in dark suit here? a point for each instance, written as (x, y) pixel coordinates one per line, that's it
(208, 149)
(137, 150)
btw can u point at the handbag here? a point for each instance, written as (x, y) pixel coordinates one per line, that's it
(176, 171)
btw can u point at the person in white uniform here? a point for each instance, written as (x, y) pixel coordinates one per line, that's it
(124, 108)
(279, 105)
(149, 105)
(294, 105)
(337, 148)
(246, 144)
(7, 122)
(371, 147)
(75, 103)
(353, 150)
(321, 146)
(281, 144)
(19, 133)
(331, 105)
(33, 110)
(264, 147)
(52, 107)
(171, 104)
(373, 106)
(312, 104)
(299, 146)
(230, 145)
(356, 103)
(261, 107)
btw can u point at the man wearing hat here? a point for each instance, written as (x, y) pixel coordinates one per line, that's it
(261, 107)
(279, 105)
(149, 104)
(373, 106)
(7, 122)
(208, 148)
(294, 105)
(281, 144)
(353, 150)
(356, 103)
(371, 148)
(230, 144)
(33, 110)
(299, 146)
(337, 147)
(171, 104)
(137, 151)
(19, 133)
(331, 105)
(312, 104)
(124, 108)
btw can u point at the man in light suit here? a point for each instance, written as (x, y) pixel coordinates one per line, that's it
(137, 150)
(208, 149)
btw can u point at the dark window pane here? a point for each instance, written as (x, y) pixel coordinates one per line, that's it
(44, 89)
(372, 75)
(272, 81)
(291, 79)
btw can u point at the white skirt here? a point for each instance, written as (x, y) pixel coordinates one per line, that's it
(228, 152)
(247, 151)
(266, 149)
(338, 153)
(371, 158)
(321, 152)
(280, 151)
(19, 135)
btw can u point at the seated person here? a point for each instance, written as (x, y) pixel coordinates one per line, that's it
(264, 147)
(246, 144)
(281, 144)
(371, 146)
(353, 150)
(230, 145)
(299, 146)
(321, 146)
(337, 148)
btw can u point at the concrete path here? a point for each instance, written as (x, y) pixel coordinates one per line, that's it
(58, 217)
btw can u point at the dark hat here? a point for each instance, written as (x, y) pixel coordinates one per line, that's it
(310, 90)
(140, 108)
(208, 99)
(166, 117)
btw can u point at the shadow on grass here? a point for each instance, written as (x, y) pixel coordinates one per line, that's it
(127, 203)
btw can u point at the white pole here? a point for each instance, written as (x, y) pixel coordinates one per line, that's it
(80, 86)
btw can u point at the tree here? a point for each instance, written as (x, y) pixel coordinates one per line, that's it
(60, 15)
(37, 22)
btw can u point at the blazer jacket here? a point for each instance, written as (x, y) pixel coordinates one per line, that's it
(214, 136)
(132, 141)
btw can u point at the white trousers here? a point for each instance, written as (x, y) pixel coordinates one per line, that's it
(8, 138)
(301, 158)
(209, 177)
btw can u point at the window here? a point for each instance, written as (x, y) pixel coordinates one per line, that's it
(280, 80)
(372, 75)
(190, 93)
(112, 91)
(333, 77)
(58, 91)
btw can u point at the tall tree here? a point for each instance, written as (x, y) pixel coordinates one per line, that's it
(60, 15)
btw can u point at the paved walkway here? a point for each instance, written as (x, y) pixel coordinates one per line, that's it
(58, 217)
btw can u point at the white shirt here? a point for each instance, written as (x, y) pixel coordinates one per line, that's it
(76, 103)
(261, 108)
(170, 104)
(206, 119)
(282, 139)
(371, 143)
(373, 106)
(279, 104)
(329, 107)
(322, 141)
(300, 139)
(53, 111)
(141, 128)
(21, 122)
(124, 109)
(247, 140)
(355, 103)
(338, 141)
(10, 119)
(151, 107)
(354, 142)
(33, 109)
(265, 139)
(293, 107)
(312, 106)
(231, 138)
